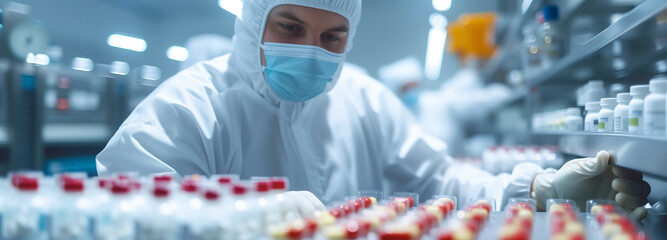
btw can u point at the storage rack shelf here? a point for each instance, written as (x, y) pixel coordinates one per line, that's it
(624, 26)
(566, 69)
(639, 30)
(647, 154)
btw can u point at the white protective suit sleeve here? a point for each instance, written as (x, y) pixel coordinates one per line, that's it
(149, 135)
(419, 163)
(468, 182)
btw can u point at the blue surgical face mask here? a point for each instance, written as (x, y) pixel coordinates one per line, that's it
(299, 72)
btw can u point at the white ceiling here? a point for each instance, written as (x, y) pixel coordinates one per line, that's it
(165, 8)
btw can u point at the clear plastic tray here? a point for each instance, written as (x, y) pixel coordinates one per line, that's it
(490, 201)
(412, 199)
(562, 220)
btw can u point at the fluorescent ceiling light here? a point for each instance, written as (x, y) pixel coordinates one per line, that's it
(435, 47)
(82, 64)
(42, 59)
(127, 42)
(150, 72)
(232, 6)
(434, 53)
(30, 58)
(120, 68)
(437, 21)
(525, 5)
(177, 53)
(442, 5)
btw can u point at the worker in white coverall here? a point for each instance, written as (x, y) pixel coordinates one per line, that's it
(282, 104)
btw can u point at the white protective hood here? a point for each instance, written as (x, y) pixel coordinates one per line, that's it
(245, 61)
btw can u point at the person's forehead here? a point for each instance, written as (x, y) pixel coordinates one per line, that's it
(297, 13)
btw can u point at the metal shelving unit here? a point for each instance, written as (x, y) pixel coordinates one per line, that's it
(647, 154)
(511, 36)
(571, 63)
(75, 134)
(628, 24)
(629, 49)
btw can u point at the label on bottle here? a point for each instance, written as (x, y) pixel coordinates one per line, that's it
(654, 123)
(591, 125)
(606, 124)
(620, 124)
(533, 55)
(635, 122)
(551, 48)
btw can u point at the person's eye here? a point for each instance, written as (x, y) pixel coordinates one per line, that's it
(331, 38)
(289, 27)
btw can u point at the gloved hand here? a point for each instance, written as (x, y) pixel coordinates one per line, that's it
(306, 203)
(593, 178)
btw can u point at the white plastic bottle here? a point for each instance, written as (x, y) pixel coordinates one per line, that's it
(591, 119)
(606, 115)
(158, 218)
(636, 109)
(621, 112)
(245, 215)
(26, 214)
(208, 225)
(573, 121)
(595, 91)
(654, 107)
(549, 36)
(288, 209)
(224, 183)
(117, 219)
(70, 218)
(530, 57)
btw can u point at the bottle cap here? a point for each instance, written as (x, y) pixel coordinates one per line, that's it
(162, 178)
(639, 90)
(278, 183)
(225, 180)
(160, 191)
(190, 185)
(262, 186)
(623, 98)
(73, 185)
(239, 189)
(25, 183)
(608, 102)
(211, 195)
(120, 187)
(593, 106)
(573, 112)
(658, 85)
(550, 12)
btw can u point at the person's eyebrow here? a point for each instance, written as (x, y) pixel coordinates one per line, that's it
(290, 16)
(341, 28)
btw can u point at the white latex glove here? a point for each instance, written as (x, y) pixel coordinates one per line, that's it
(306, 203)
(593, 178)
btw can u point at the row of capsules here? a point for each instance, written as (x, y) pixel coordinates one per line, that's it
(563, 220)
(468, 223)
(519, 216)
(370, 216)
(605, 221)
(610, 222)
